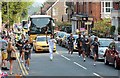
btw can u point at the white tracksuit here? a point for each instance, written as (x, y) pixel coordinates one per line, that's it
(51, 47)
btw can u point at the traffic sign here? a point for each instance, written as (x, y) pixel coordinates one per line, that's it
(88, 23)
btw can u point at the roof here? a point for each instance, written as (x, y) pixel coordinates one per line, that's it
(47, 5)
(53, 5)
(38, 16)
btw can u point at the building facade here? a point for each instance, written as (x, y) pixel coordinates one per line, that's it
(56, 10)
(116, 18)
(86, 13)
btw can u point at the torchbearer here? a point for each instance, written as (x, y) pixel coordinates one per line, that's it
(51, 42)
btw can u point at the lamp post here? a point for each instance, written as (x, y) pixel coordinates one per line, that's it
(41, 9)
(88, 23)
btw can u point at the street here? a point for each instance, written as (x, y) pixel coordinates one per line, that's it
(64, 64)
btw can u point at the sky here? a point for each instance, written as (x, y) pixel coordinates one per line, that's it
(36, 6)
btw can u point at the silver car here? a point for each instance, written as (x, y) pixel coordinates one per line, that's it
(104, 43)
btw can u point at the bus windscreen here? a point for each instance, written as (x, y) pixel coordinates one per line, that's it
(40, 25)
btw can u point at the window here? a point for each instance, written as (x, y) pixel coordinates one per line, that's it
(106, 6)
(55, 11)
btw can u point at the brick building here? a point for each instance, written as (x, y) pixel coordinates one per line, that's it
(98, 10)
(91, 12)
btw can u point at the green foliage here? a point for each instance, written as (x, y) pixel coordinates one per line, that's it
(102, 25)
(112, 30)
(14, 11)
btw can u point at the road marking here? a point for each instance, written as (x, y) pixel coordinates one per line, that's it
(25, 69)
(97, 75)
(65, 57)
(80, 65)
(20, 64)
(57, 52)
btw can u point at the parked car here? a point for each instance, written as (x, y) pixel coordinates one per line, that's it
(104, 43)
(67, 29)
(60, 37)
(112, 54)
(40, 44)
(65, 40)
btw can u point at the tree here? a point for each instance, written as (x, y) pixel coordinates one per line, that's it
(14, 11)
(102, 26)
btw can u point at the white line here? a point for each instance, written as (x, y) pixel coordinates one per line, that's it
(97, 75)
(65, 57)
(57, 52)
(80, 66)
(20, 64)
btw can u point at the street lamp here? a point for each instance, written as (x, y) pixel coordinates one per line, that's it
(42, 8)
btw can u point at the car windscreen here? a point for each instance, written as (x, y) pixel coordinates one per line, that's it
(105, 43)
(39, 39)
(118, 46)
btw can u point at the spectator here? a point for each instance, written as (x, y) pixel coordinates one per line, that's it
(4, 54)
(10, 49)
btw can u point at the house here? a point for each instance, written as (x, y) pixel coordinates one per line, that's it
(56, 9)
(86, 13)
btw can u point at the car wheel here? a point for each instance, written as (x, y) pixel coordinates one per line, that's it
(105, 61)
(115, 64)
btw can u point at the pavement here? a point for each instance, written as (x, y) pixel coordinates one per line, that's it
(18, 68)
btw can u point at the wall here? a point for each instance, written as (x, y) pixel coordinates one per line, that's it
(61, 10)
